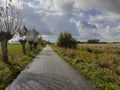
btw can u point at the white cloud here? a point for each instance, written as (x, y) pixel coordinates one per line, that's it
(49, 23)
(35, 20)
(48, 4)
(87, 31)
(102, 5)
(53, 16)
(81, 14)
(111, 34)
(107, 17)
(64, 6)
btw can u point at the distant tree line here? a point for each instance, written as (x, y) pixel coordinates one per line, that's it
(93, 41)
(31, 37)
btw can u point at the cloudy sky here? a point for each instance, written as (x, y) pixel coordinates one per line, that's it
(85, 19)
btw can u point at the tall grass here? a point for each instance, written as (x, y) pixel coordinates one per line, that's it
(17, 62)
(99, 63)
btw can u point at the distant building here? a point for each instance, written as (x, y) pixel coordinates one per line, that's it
(14, 40)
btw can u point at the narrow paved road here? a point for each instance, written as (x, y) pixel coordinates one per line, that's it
(48, 71)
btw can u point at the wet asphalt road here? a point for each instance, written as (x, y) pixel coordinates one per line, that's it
(48, 71)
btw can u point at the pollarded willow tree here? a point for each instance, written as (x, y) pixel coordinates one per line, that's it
(22, 40)
(32, 38)
(10, 23)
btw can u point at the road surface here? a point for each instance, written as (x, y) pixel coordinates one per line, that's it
(48, 71)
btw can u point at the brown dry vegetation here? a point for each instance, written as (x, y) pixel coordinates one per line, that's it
(99, 63)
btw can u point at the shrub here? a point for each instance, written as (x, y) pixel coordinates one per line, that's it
(66, 40)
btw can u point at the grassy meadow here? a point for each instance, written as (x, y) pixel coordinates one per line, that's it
(99, 63)
(17, 62)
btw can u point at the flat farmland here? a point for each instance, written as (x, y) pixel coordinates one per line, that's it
(99, 63)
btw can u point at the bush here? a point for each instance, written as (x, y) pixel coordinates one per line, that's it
(66, 40)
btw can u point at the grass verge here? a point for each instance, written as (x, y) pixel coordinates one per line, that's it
(17, 62)
(99, 64)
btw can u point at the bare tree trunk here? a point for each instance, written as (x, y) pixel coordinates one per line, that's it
(4, 50)
(30, 46)
(23, 48)
(35, 45)
(30, 43)
(23, 42)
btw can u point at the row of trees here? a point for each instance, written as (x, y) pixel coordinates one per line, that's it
(11, 22)
(30, 36)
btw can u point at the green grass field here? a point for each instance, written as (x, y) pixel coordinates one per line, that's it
(99, 63)
(13, 48)
(17, 62)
